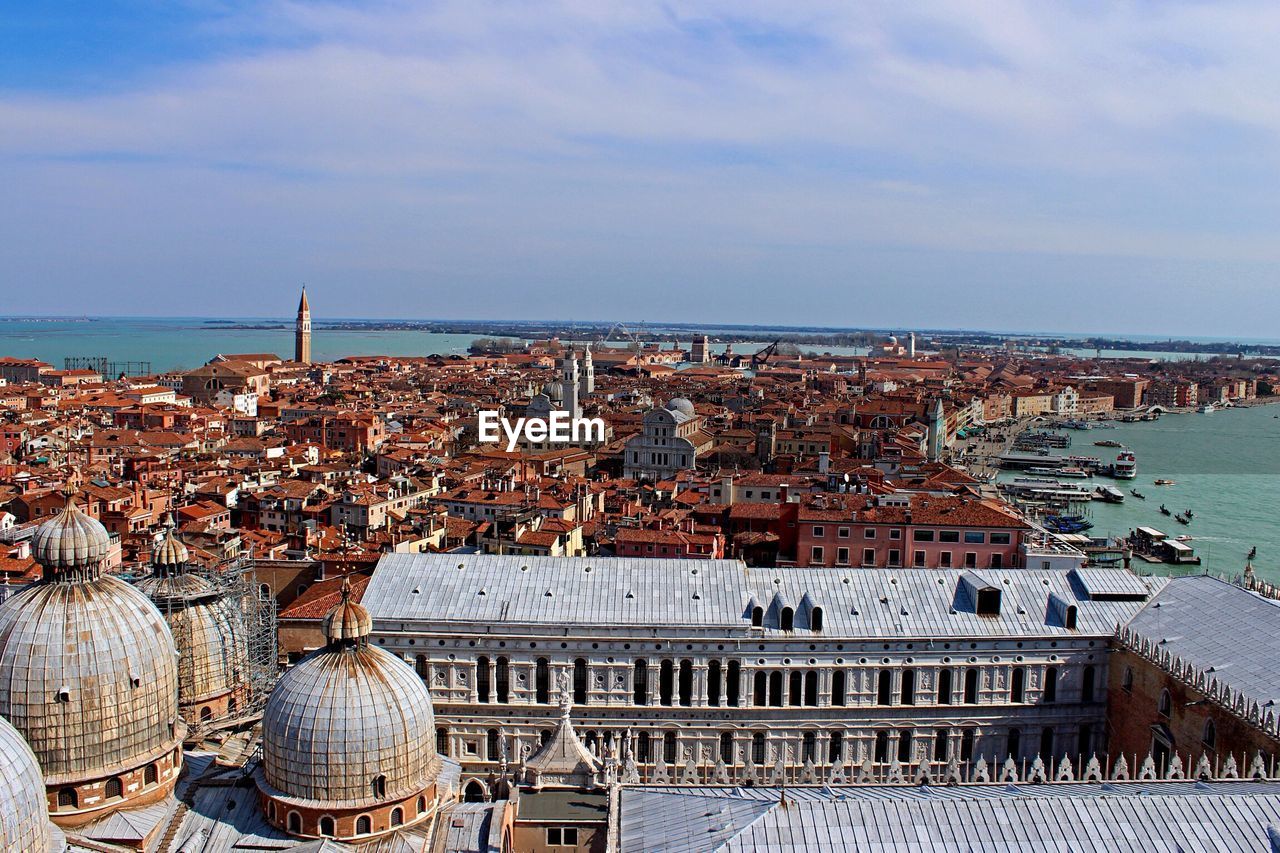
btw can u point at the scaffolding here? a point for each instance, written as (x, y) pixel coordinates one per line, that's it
(224, 627)
(105, 368)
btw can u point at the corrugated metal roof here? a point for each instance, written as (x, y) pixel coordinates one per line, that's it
(1053, 817)
(717, 594)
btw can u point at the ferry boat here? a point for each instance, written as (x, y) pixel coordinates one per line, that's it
(1110, 494)
(1126, 466)
(1107, 442)
(1074, 473)
(1163, 482)
(1207, 409)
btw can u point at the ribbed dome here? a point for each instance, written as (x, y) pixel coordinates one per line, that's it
(347, 621)
(70, 540)
(341, 719)
(170, 552)
(88, 675)
(24, 819)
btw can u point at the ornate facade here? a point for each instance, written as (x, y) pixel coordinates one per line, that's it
(756, 666)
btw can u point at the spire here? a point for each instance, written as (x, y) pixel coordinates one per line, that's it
(303, 307)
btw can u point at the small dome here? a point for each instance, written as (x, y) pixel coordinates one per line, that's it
(170, 552)
(24, 819)
(70, 540)
(349, 726)
(682, 405)
(348, 621)
(88, 675)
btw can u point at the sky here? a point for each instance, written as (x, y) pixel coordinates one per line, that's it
(1057, 166)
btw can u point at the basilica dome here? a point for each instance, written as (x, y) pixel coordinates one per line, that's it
(70, 540)
(24, 819)
(350, 727)
(208, 631)
(88, 671)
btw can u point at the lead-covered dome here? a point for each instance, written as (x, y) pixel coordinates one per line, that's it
(682, 405)
(24, 819)
(70, 540)
(351, 726)
(87, 665)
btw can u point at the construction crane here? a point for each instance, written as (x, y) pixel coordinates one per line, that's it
(618, 327)
(761, 358)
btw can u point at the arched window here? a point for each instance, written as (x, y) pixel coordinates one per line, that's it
(542, 681)
(686, 682)
(1050, 694)
(757, 748)
(1015, 744)
(795, 688)
(442, 740)
(1210, 736)
(971, 687)
(1126, 681)
(786, 619)
(905, 739)
(733, 684)
(666, 680)
(884, 688)
(809, 747)
(544, 736)
(669, 747)
(835, 747)
(726, 747)
(397, 816)
(474, 792)
(966, 745)
(811, 689)
(580, 681)
(327, 826)
(815, 619)
(757, 617)
(1086, 688)
(1018, 685)
(232, 705)
(644, 747)
(482, 678)
(67, 798)
(941, 739)
(206, 714)
(908, 687)
(422, 804)
(421, 667)
(1165, 705)
(839, 691)
(944, 687)
(363, 825)
(150, 775)
(759, 693)
(775, 689)
(114, 789)
(503, 679)
(1071, 617)
(379, 786)
(493, 748)
(882, 746)
(1046, 743)
(271, 809)
(713, 683)
(640, 682)
(294, 822)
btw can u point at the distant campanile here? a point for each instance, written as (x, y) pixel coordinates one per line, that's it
(302, 332)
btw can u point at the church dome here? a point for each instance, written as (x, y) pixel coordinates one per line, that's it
(24, 819)
(71, 539)
(682, 405)
(351, 726)
(88, 670)
(170, 552)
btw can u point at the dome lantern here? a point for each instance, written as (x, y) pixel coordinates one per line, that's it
(71, 546)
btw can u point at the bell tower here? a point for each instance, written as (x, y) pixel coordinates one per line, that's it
(302, 332)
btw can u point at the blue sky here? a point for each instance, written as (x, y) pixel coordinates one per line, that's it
(995, 164)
